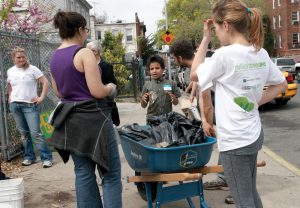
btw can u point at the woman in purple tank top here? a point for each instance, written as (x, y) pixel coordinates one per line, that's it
(82, 122)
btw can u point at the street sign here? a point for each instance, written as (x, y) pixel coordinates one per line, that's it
(168, 37)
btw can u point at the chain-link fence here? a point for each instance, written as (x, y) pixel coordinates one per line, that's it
(129, 80)
(38, 52)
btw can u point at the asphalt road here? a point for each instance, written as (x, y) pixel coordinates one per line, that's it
(281, 126)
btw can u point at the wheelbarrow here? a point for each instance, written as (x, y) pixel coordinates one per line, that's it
(158, 167)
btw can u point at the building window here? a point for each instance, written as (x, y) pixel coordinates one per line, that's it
(275, 43)
(273, 4)
(279, 21)
(295, 18)
(114, 32)
(129, 37)
(72, 6)
(295, 38)
(294, 1)
(99, 35)
(274, 23)
(279, 41)
(279, 2)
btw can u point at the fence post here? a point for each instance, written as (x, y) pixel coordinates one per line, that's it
(39, 52)
(134, 81)
(3, 111)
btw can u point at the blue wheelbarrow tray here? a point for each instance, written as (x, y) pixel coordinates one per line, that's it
(148, 159)
(143, 158)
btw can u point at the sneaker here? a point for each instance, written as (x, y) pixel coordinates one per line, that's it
(229, 200)
(27, 162)
(216, 184)
(47, 164)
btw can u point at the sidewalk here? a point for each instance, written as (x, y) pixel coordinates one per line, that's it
(54, 187)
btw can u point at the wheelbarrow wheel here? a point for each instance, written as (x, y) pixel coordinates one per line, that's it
(142, 189)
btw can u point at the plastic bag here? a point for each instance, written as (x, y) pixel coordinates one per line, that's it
(187, 131)
(136, 132)
(168, 130)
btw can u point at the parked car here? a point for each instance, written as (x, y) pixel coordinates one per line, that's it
(285, 64)
(297, 74)
(284, 97)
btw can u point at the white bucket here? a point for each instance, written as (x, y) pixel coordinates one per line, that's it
(11, 193)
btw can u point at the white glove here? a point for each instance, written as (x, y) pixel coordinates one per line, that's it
(113, 92)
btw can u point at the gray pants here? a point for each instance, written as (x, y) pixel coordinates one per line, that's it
(240, 172)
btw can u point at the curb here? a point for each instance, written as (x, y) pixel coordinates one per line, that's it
(281, 161)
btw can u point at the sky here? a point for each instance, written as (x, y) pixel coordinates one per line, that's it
(149, 11)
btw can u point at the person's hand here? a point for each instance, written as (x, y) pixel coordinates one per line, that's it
(145, 97)
(208, 129)
(191, 98)
(207, 27)
(37, 100)
(113, 92)
(188, 89)
(173, 97)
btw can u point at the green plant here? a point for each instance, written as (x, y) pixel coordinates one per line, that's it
(6, 6)
(114, 52)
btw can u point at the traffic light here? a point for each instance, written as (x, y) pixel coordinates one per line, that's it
(168, 37)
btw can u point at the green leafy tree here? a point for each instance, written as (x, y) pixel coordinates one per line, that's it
(114, 44)
(269, 38)
(185, 19)
(6, 6)
(113, 51)
(147, 47)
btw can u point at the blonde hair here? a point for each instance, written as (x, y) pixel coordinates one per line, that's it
(20, 50)
(243, 19)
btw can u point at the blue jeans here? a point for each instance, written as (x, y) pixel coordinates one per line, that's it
(27, 118)
(87, 191)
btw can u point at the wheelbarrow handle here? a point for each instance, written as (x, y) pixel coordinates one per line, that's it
(218, 168)
(165, 177)
(192, 174)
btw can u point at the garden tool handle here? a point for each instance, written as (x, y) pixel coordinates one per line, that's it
(156, 177)
(219, 168)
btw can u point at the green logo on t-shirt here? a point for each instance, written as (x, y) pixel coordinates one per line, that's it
(253, 66)
(244, 103)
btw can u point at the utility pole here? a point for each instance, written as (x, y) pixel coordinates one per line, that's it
(94, 7)
(166, 14)
(168, 53)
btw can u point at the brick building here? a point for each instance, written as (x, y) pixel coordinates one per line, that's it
(284, 19)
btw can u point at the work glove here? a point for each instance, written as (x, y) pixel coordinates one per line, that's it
(113, 93)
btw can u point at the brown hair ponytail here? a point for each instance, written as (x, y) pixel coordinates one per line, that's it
(68, 23)
(245, 20)
(256, 31)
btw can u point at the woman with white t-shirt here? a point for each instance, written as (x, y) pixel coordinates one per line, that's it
(22, 81)
(239, 71)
